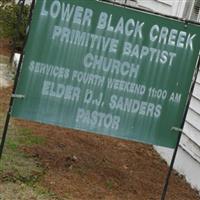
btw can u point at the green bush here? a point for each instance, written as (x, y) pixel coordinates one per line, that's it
(9, 12)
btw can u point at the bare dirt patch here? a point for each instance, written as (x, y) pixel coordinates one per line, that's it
(83, 166)
(5, 47)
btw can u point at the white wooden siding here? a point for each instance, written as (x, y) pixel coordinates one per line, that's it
(168, 2)
(197, 90)
(198, 78)
(193, 118)
(190, 140)
(192, 132)
(195, 104)
(190, 147)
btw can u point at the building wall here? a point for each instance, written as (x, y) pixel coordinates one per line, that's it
(167, 7)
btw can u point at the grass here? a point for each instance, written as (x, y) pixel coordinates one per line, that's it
(109, 184)
(21, 191)
(4, 59)
(20, 174)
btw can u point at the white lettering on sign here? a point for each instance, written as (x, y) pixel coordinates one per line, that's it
(49, 70)
(67, 12)
(87, 78)
(85, 39)
(153, 55)
(113, 66)
(126, 86)
(171, 37)
(135, 106)
(175, 97)
(157, 93)
(59, 90)
(128, 28)
(97, 119)
(93, 98)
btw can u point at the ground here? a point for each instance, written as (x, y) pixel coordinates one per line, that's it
(5, 47)
(42, 162)
(84, 166)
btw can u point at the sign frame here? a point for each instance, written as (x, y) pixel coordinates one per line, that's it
(142, 81)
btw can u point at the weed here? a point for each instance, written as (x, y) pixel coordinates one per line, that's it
(109, 184)
(27, 138)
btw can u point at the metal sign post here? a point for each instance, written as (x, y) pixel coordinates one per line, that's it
(166, 184)
(6, 125)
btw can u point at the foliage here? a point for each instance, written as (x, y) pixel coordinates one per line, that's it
(5, 2)
(9, 14)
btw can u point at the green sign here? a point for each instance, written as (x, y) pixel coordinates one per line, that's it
(101, 68)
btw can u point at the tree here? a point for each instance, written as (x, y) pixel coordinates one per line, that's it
(9, 13)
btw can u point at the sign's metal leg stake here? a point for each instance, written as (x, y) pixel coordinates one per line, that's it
(165, 188)
(21, 3)
(170, 168)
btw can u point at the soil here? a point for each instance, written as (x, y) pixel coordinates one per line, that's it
(83, 166)
(5, 47)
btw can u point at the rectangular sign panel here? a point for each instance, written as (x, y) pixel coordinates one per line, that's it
(121, 72)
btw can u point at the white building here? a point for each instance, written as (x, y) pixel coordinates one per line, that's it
(188, 157)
